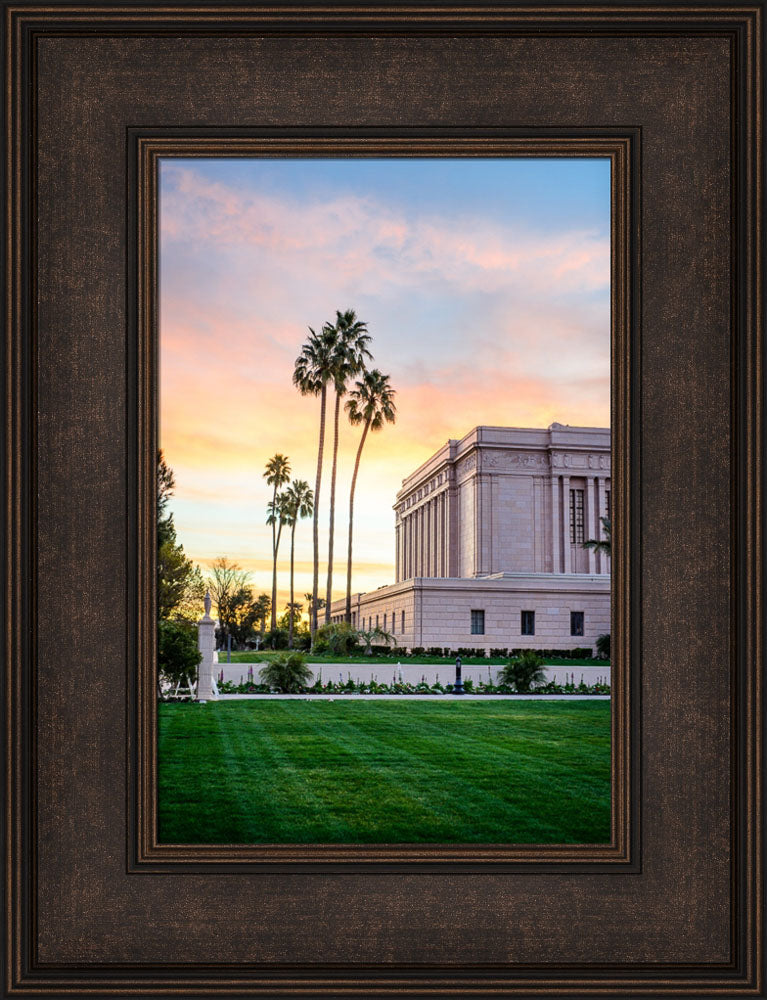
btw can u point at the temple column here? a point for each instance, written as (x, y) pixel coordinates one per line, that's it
(566, 523)
(592, 500)
(556, 530)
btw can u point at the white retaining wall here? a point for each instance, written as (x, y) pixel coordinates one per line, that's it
(385, 673)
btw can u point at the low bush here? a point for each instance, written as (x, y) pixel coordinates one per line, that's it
(469, 651)
(585, 653)
(603, 646)
(417, 651)
(524, 672)
(500, 652)
(287, 674)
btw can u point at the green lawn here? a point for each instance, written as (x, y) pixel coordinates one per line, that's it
(285, 771)
(263, 655)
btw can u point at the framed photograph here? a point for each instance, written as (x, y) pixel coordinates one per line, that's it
(384, 466)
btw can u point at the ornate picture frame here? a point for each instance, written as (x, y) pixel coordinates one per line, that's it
(95, 94)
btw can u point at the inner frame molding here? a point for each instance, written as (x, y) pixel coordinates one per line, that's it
(146, 149)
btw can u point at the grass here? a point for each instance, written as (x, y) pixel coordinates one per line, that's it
(265, 654)
(283, 771)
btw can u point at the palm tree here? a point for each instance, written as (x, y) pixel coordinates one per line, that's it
(277, 473)
(370, 403)
(601, 544)
(300, 504)
(351, 352)
(320, 604)
(312, 372)
(277, 513)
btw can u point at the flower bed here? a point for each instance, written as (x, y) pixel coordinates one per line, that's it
(403, 687)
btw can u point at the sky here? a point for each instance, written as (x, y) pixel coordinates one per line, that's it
(484, 284)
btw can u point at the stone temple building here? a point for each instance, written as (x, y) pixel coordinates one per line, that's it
(489, 539)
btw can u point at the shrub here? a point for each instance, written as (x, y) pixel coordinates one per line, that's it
(177, 652)
(336, 638)
(434, 651)
(499, 652)
(277, 638)
(603, 646)
(287, 673)
(398, 651)
(417, 651)
(523, 672)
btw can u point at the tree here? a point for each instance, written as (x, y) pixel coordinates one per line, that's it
(227, 585)
(370, 403)
(601, 544)
(312, 372)
(300, 504)
(371, 635)
(177, 654)
(263, 605)
(277, 473)
(179, 581)
(277, 516)
(166, 483)
(320, 606)
(349, 356)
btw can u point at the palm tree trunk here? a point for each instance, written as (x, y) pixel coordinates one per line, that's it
(348, 615)
(274, 563)
(292, 554)
(316, 523)
(274, 579)
(332, 508)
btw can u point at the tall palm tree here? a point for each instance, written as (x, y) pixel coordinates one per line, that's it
(300, 504)
(312, 372)
(370, 403)
(277, 473)
(277, 513)
(350, 353)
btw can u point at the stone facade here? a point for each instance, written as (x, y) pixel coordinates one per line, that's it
(495, 523)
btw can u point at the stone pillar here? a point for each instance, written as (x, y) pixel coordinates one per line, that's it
(397, 567)
(566, 522)
(556, 533)
(592, 519)
(206, 643)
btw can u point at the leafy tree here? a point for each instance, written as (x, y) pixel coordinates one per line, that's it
(601, 544)
(277, 473)
(179, 581)
(349, 356)
(370, 403)
(523, 671)
(299, 504)
(312, 371)
(177, 654)
(176, 575)
(263, 605)
(287, 673)
(166, 484)
(228, 586)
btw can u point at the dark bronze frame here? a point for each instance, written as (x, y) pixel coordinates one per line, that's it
(81, 856)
